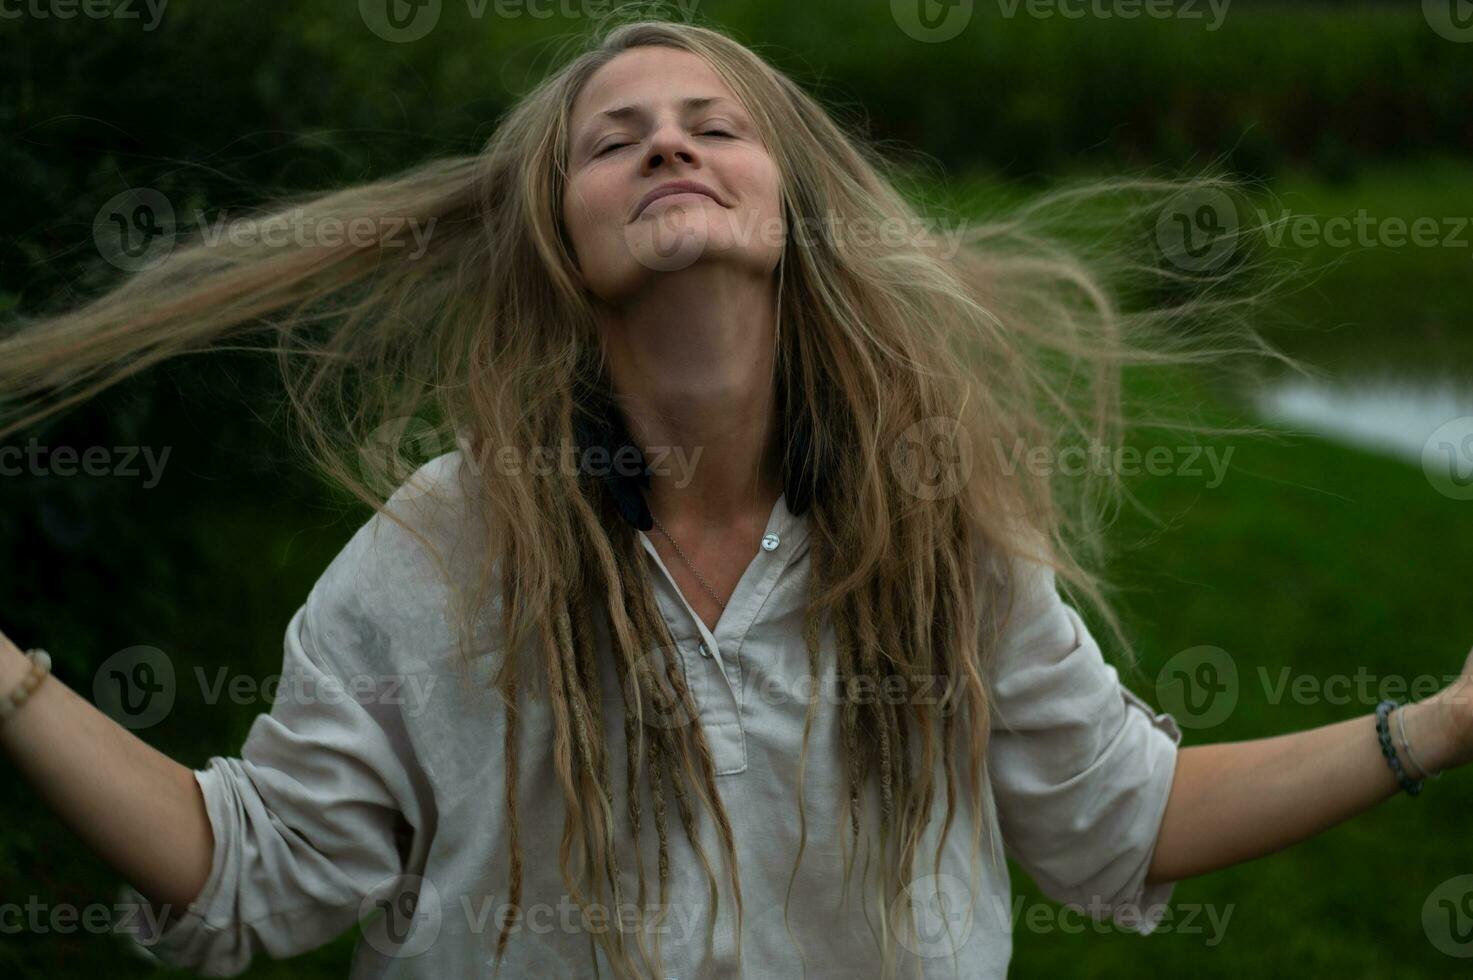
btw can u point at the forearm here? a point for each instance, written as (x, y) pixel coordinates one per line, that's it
(1236, 801)
(136, 808)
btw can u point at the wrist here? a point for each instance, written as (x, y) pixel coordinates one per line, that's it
(1437, 738)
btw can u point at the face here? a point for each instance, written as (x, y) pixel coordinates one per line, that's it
(651, 116)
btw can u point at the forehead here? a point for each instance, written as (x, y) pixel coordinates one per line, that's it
(643, 77)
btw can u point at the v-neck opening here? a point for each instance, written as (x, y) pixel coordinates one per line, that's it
(777, 516)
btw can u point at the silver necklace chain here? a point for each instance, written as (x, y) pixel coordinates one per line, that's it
(688, 564)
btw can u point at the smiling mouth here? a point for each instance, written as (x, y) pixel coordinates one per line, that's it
(666, 197)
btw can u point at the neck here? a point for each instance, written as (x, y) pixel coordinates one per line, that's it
(692, 363)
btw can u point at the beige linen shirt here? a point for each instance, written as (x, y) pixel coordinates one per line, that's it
(372, 794)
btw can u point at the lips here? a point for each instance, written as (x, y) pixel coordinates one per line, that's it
(675, 187)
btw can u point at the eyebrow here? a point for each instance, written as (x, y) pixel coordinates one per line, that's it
(624, 112)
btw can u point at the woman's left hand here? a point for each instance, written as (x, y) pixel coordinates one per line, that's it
(1440, 728)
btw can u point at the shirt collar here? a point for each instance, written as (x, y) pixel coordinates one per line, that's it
(601, 426)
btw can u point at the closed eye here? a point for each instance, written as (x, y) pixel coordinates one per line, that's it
(709, 132)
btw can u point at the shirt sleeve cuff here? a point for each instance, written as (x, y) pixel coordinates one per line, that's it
(187, 930)
(1144, 906)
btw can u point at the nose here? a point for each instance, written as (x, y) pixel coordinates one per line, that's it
(669, 142)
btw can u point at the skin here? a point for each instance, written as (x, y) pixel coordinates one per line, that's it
(690, 348)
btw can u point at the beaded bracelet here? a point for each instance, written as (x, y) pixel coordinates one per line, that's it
(1383, 732)
(40, 666)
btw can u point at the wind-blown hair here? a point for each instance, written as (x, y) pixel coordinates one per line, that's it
(887, 348)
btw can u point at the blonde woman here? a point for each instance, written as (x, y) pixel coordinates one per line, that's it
(784, 618)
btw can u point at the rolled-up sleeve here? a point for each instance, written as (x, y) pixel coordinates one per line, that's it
(1081, 767)
(322, 809)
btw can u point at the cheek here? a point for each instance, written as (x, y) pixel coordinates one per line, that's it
(594, 223)
(765, 195)
(763, 188)
(581, 218)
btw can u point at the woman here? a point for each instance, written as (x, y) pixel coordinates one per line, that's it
(783, 600)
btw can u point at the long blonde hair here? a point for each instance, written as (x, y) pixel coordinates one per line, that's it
(1014, 338)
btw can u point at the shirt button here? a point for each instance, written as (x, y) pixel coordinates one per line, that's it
(770, 542)
(705, 651)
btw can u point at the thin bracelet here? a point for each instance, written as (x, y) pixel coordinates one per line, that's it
(1402, 725)
(11, 702)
